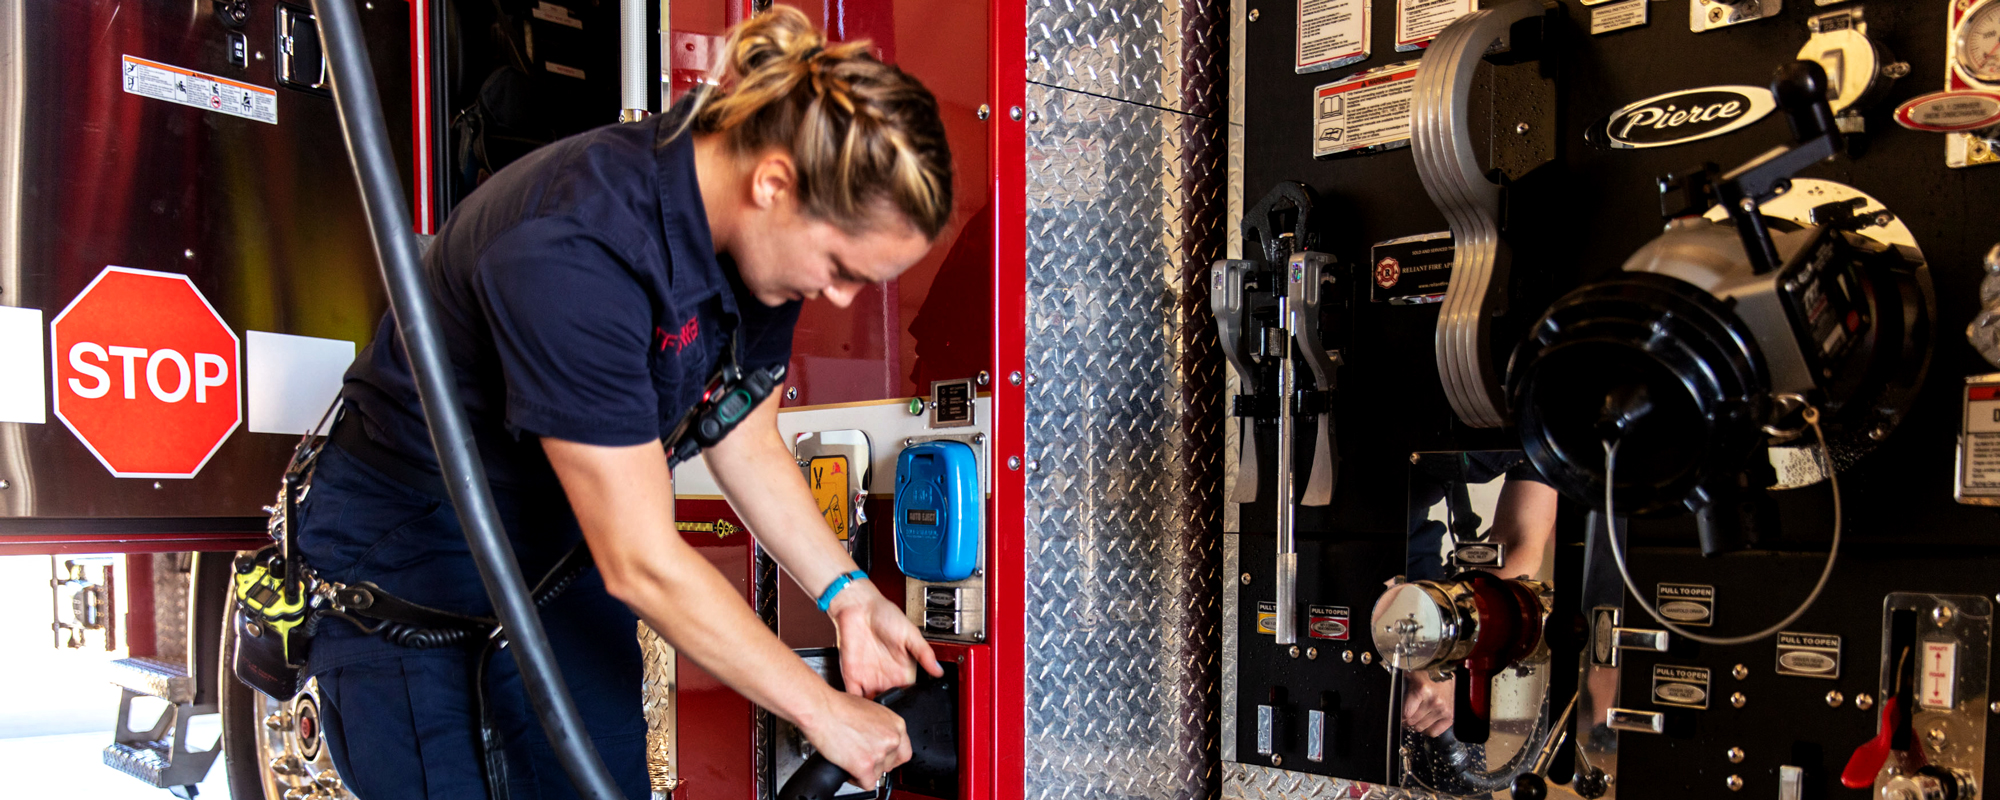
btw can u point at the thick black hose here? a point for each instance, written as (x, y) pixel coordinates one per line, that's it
(458, 458)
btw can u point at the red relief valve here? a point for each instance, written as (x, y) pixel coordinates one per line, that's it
(1477, 623)
(1869, 758)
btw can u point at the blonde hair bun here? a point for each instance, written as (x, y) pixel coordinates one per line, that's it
(862, 133)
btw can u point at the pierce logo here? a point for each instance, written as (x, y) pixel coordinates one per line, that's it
(1686, 116)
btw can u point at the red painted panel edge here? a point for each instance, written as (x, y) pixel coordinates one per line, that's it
(130, 543)
(1007, 71)
(420, 116)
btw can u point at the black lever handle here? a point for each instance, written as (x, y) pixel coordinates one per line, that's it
(820, 779)
(1800, 88)
(917, 705)
(1266, 219)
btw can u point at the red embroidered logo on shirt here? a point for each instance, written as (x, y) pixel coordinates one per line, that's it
(681, 340)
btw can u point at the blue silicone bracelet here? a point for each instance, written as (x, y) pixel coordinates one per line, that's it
(832, 589)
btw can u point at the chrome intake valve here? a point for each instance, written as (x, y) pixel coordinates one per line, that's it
(1477, 624)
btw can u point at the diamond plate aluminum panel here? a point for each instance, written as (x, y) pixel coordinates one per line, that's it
(171, 573)
(1163, 53)
(1253, 782)
(656, 698)
(1232, 566)
(1124, 450)
(763, 730)
(1233, 237)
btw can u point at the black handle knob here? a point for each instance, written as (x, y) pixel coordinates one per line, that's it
(1530, 786)
(1800, 89)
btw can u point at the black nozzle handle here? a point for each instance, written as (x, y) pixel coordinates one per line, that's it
(818, 778)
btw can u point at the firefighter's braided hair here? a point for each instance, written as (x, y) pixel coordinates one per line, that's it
(864, 134)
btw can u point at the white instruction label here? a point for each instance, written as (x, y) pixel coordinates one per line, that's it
(201, 90)
(550, 12)
(1332, 33)
(1979, 447)
(1420, 21)
(1369, 109)
(1617, 16)
(1937, 682)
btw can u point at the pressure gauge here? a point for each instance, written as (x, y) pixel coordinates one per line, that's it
(1977, 43)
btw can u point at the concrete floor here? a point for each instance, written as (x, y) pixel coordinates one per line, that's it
(56, 708)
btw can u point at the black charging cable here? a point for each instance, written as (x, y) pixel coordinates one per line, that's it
(458, 458)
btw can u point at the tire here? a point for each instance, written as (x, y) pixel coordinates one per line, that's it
(272, 750)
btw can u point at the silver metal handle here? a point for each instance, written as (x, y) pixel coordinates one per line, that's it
(1288, 505)
(1625, 719)
(1303, 282)
(1639, 639)
(1225, 300)
(634, 90)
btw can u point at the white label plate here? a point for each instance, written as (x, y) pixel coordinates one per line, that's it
(24, 395)
(1937, 681)
(1618, 16)
(1369, 109)
(1979, 451)
(1420, 21)
(1332, 33)
(292, 379)
(199, 89)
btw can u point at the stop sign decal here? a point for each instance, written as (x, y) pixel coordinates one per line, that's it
(146, 373)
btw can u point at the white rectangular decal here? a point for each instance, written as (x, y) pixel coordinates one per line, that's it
(292, 379)
(199, 89)
(560, 15)
(1937, 679)
(23, 382)
(1369, 109)
(1420, 21)
(1618, 16)
(1332, 33)
(1979, 442)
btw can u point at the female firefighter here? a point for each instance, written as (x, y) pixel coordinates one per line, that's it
(588, 292)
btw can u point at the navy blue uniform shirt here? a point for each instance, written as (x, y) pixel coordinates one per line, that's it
(581, 299)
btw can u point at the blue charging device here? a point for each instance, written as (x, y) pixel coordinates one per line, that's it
(938, 511)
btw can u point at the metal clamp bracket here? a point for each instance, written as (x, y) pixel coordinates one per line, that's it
(1448, 163)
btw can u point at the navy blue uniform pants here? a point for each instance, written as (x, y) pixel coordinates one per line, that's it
(400, 723)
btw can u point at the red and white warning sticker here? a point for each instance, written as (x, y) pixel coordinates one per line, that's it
(199, 89)
(1369, 110)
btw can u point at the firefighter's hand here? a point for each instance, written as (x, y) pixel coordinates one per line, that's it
(879, 648)
(1428, 704)
(859, 736)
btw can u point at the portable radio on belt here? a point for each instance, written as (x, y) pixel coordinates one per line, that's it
(274, 589)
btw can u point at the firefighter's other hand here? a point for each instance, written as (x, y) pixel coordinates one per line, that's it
(1428, 704)
(879, 648)
(859, 736)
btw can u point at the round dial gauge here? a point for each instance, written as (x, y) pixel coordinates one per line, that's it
(1978, 43)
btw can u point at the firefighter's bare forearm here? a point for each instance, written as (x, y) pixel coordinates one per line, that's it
(623, 498)
(759, 475)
